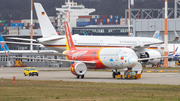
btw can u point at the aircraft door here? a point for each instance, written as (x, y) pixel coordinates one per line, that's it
(117, 54)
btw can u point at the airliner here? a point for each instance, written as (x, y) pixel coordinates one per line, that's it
(96, 58)
(144, 47)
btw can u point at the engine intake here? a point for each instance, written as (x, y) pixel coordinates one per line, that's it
(78, 68)
(151, 54)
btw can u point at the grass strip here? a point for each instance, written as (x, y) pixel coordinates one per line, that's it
(39, 90)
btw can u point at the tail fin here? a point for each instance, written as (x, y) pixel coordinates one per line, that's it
(174, 50)
(47, 28)
(156, 35)
(3, 45)
(85, 33)
(131, 35)
(69, 41)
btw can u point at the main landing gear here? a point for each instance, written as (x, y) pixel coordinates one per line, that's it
(82, 76)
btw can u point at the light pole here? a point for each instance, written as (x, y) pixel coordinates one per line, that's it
(128, 18)
(31, 47)
(166, 36)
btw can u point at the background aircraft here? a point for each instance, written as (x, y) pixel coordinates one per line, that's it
(4, 48)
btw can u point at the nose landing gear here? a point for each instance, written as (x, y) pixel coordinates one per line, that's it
(115, 73)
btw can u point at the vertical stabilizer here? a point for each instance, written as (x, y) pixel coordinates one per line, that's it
(156, 35)
(3, 45)
(47, 28)
(85, 33)
(69, 41)
(131, 35)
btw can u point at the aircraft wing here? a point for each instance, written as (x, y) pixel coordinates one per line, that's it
(147, 45)
(152, 58)
(23, 39)
(60, 60)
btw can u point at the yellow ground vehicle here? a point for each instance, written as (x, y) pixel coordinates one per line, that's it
(31, 71)
(18, 63)
(129, 75)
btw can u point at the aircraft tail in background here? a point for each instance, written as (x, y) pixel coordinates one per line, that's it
(156, 35)
(131, 35)
(3, 45)
(47, 28)
(85, 33)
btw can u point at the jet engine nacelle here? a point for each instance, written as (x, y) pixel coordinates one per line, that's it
(78, 68)
(151, 54)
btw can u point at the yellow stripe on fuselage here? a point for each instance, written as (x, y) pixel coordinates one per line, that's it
(99, 57)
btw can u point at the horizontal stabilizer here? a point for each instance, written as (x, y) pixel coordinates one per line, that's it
(23, 39)
(23, 43)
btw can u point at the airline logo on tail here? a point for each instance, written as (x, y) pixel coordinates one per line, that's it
(2, 44)
(131, 35)
(156, 35)
(70, 44)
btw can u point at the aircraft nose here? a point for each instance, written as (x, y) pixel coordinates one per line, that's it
(132, 61)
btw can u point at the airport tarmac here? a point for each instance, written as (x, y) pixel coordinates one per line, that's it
(58, 73)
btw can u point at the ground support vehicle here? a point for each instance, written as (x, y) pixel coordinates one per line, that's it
(129, 74)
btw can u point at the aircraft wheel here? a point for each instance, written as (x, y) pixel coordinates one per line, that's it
(113, 74)
(82, 76)
(77, 77)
